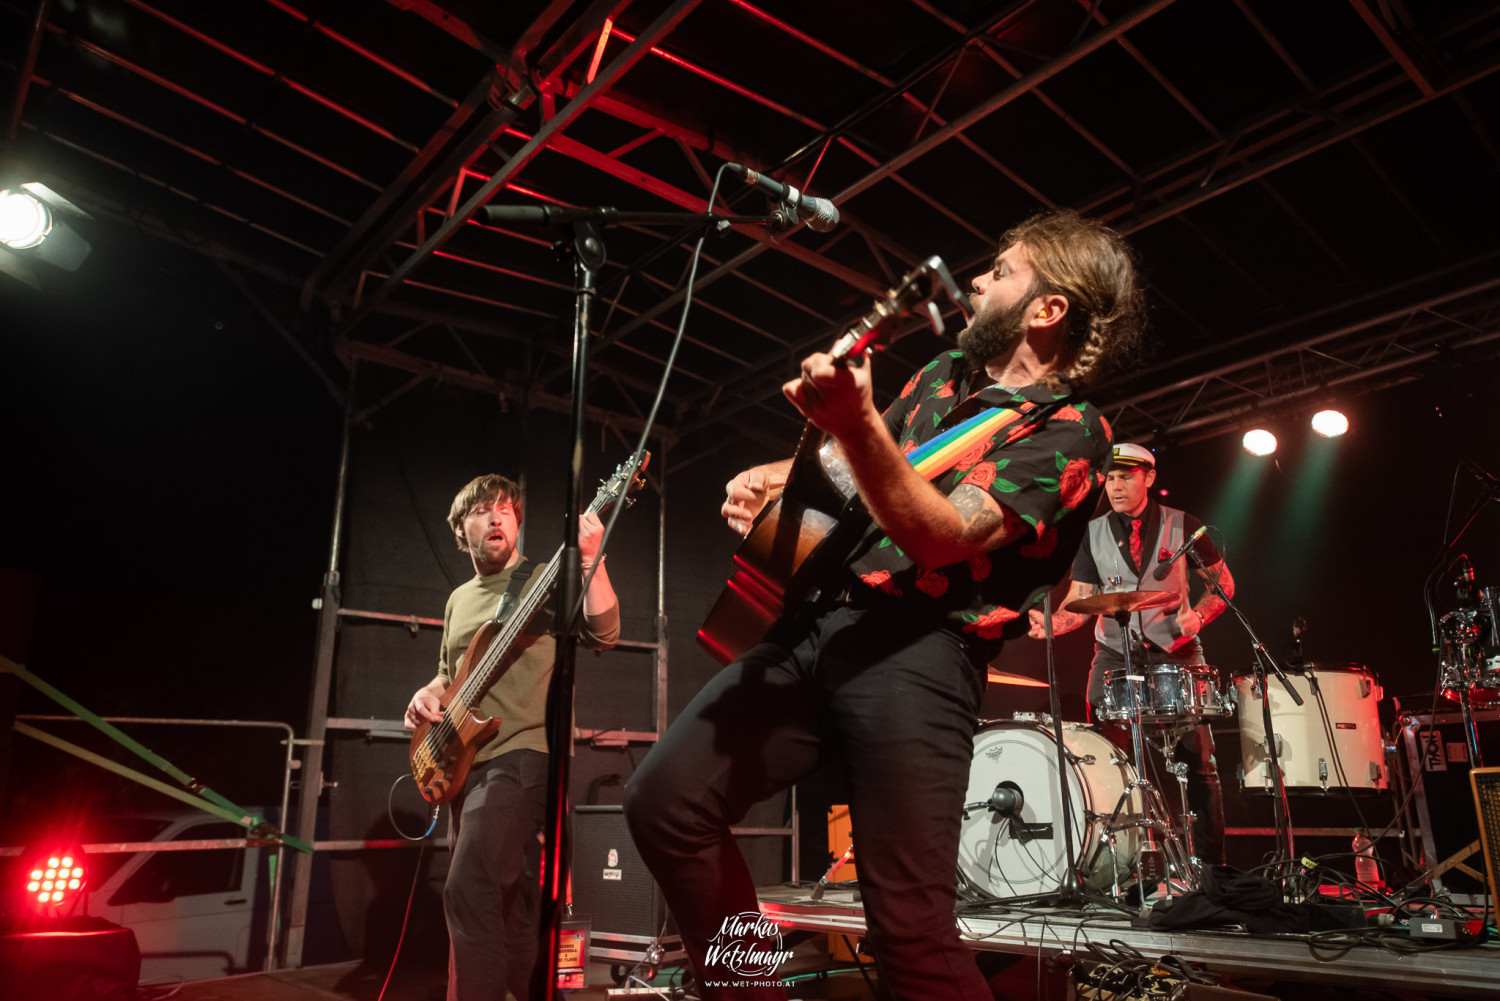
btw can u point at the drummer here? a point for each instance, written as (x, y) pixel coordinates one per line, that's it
(1120, 551)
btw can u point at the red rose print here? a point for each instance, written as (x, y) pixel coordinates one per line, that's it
(981, 475)
(910, 385)
(973, 455)
(1068, 414)
(990, 626)
(979, 567)
(909, 415)
(1046, 542)
(933, 584)
(908, 448)
(1074, 483)
(1108, 434)
(945, 390)
(881, 581)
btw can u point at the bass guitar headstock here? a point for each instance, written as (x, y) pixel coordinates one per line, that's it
(628, 477)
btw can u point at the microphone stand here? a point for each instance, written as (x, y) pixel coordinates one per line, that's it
(1071, 891)
(1285, 848)
(587, 250)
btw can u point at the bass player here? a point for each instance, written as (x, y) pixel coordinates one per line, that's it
(493, 893)
(884, 670)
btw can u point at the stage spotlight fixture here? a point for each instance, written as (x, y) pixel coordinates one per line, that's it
(37, 231)
(25, 219)
(1259, 441)
(1329, 423)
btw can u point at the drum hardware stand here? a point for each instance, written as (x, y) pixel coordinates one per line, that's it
(1285, 848)
(1179, 769)
(1153, 859)
(1489, 490)
(1070, 892)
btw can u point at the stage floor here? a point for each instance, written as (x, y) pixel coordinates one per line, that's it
(1039, 932)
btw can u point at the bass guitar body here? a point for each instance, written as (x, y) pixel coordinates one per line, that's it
(442, 753)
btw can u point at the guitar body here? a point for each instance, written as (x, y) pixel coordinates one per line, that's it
(442, 753)
(795, 540)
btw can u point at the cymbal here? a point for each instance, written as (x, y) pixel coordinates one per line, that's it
(1114, 602)
(1019, 680)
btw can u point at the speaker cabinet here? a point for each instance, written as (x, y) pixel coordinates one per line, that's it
(613, 888)
(1438, 757)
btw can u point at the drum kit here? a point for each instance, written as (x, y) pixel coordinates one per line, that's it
(1037, 823)
(1469, 645)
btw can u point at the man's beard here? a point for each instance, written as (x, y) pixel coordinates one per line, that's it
(994, 332)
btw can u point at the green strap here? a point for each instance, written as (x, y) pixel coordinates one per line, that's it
(217, 805)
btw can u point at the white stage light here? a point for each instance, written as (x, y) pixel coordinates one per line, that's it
(25, 219)
(1329, 423)
(1259, 442)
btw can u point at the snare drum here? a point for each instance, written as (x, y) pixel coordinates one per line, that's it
(1351, 696)
(1168, 694)
(1023, 853)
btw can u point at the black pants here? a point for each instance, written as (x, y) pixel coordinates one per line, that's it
(492, 898)
(895, 702)
(1195, 749)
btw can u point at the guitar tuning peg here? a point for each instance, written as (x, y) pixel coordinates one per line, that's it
(935, 318)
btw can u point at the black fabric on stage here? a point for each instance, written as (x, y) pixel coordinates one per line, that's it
(1232, 897)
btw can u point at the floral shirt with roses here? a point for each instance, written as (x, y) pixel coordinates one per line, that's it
(1048, 478)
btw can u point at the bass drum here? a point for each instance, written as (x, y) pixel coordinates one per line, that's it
(1351, 695)
(1018, 854)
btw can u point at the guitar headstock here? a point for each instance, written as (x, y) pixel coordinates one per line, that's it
(919, 288)
(629, 476)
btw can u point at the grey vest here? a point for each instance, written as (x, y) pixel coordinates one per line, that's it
(1157, 624)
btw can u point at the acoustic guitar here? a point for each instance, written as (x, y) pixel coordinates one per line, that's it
(441, 753)
(798, 537)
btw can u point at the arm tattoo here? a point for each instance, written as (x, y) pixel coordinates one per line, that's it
(979, 521)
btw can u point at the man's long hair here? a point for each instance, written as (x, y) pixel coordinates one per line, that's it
(476, 492)
(1095, 270)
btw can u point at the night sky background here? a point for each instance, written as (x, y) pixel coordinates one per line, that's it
(169, 472)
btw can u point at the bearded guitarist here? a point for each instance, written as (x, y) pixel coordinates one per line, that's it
(492, 896)
(883, 670)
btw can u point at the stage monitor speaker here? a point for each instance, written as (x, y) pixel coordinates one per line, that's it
(1486, 786)
(1438, 757)
(612, 886)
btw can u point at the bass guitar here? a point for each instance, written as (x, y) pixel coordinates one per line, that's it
(441, 753)
(809, 528)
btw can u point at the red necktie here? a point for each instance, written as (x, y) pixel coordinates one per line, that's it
(1135, 543)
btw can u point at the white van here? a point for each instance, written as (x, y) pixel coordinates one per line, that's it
(196, 914)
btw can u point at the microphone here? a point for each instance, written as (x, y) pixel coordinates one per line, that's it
(819, 213)
(1162, 569)
(1007, 798)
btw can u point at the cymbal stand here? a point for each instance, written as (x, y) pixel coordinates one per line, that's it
(1155, 858)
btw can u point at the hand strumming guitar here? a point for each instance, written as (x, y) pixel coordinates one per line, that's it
(751, 491)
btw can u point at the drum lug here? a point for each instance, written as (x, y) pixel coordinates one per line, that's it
(1375, 773)
(1323, 773)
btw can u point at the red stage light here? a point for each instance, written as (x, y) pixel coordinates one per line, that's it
(58, 879)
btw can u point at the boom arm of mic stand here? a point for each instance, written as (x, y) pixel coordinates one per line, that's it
(1282, 807)
(1261, 652)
